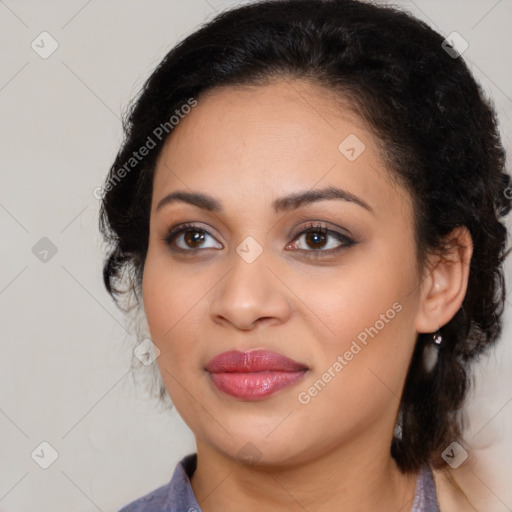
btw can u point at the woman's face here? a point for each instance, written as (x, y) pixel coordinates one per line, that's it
(328, 280)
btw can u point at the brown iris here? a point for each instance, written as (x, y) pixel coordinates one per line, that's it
(194, 238)
(316, 239)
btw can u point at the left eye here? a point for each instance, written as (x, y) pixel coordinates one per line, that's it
(319, 238)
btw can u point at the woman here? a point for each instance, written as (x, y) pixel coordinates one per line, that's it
(307, 206)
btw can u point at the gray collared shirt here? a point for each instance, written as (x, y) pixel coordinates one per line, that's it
(177, 495)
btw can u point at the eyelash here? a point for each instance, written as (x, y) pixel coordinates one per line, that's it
(345, 241)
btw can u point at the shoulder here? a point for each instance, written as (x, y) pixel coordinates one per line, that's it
(177, 494)
(155, 501)
(450, 495)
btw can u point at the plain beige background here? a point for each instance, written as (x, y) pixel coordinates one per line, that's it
(66, 349)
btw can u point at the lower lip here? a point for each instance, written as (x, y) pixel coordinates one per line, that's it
(255, 385)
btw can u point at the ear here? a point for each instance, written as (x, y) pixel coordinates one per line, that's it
(445, 282)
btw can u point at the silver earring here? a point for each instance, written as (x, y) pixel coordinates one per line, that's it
(398, 434)
(431, 351)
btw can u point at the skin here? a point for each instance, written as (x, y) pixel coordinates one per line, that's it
(246, 147)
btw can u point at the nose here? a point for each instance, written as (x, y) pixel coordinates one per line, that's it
(249, 295)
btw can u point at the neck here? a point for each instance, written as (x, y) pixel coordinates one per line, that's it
(350, 478)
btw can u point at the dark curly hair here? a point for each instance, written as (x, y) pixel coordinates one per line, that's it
(437, 132)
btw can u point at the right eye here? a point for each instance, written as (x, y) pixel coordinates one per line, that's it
(188, 237)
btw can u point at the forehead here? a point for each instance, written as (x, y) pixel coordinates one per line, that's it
(265, 141)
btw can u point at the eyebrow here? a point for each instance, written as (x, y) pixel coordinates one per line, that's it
(286, 203)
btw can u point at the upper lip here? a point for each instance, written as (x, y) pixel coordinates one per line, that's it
(252, 361)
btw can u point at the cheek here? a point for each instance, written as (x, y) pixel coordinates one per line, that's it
(168, 298)
(167, 293)
(367, 317)
(166, 303)
(361, 375)
(176, 306)
(353, 298)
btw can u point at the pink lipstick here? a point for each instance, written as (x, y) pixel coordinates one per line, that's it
(253, 375)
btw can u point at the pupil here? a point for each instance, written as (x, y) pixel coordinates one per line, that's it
(316, 238)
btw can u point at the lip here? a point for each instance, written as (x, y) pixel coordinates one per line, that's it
(252, 361)
(253, 375)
